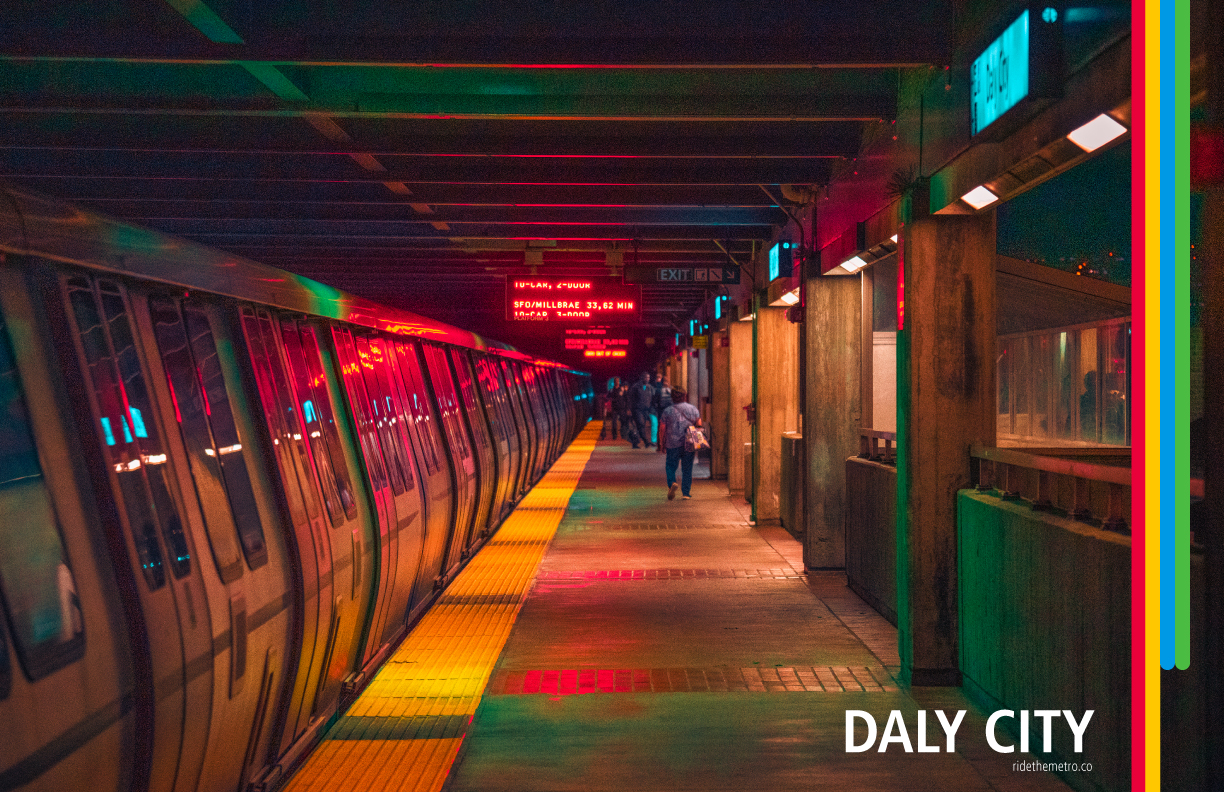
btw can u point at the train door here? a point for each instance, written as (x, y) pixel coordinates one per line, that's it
(526, 421)
(526, 378)
(172, 596)
(245, 591)
(477, 429)
(463, 461)
(363, 406)
(503, 437)
(70, 629)
(510, 425)
(308, 537)
(435, 470)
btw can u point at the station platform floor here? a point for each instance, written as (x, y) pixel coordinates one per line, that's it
(609, 639)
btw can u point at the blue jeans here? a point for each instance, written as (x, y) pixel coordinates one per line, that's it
(678, 456)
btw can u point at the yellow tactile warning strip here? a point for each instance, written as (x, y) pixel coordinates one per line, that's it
(404, 730)
(821, 679)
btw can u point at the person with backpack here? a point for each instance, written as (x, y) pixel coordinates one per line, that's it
(674, 436)
(662, 400)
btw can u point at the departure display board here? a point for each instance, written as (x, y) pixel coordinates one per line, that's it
(597, 342)
(572, 300)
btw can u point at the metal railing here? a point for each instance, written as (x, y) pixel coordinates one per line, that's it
(1060, 479)
(869, 446)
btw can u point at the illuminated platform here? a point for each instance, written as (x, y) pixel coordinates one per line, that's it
(608, 639)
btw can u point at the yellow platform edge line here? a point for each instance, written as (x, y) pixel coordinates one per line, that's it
(442, 666)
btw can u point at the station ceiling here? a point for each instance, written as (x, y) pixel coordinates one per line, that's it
(417, 153)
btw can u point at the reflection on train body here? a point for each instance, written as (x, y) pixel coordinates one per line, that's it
(221, 506)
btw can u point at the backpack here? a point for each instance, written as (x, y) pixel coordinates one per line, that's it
(695, 439)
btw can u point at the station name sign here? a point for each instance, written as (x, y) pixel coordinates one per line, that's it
(999, 77)
(574, 301)
(728, 275)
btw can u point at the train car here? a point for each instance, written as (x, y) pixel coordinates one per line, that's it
(226, 492)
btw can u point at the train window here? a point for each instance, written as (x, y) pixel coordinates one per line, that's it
(350, 370)
(231, 451)
(117, 437)
(467, 391)
(189, 410)
(404, 422)
(36, 581)
(444, 391)
(410, 367)
(395, 440)
(277, 428)
(370, 359)
(290, 421)
(148, 440)
(311, 405)
(331, 433)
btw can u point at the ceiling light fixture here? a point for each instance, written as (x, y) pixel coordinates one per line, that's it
(979, 197)
(853, 264)
(1096, 133)
(790, 298)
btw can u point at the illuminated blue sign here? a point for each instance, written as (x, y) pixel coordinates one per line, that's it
(778, 254)
(999, 77)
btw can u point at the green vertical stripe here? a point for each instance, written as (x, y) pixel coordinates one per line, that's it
(1181, 419)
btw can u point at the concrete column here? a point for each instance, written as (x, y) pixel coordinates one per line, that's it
(945, 403)
(831, 416)
(777, 353)
(739, 364)
(720, 403)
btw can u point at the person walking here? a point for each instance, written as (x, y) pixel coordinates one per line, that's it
(640, 396)
(616, 410)
(662, 400)
(672, 431)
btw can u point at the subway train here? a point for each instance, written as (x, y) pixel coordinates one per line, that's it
(226, 492)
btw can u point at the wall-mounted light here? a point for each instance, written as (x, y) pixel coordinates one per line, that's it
(748, 318)
(790, 298)
(894, 239)
(979, 197)
(1096, 133)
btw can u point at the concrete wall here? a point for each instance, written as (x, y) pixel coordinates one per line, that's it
(740, 374)
(832, 413)
(1184, 709)
(1045, 623)
(777, 352)
(720, 403)
(871, 534)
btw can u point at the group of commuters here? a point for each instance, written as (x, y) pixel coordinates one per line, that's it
(648, 413)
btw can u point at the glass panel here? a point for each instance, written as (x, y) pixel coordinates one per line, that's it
(387, 369)
(1042, 356)
(1089, 389)
(38, 587)
(118, 446)
(884, 295)
(370, 367)
(350, 369)
(1022, 387)
(331, 432)
(148, 440)
(231, 452)
(1006, 358)
(309, 404)
(410, 367)
(189, 409)
(290, 417)
(1115, 385)
(277, 429)
(1064, 386)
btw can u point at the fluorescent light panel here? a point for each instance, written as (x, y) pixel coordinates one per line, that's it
(1096, 133)
(854, 264)
(979, 197)
(791, 297)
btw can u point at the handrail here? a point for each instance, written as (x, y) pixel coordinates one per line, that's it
(1096, 493)
(1111, 474)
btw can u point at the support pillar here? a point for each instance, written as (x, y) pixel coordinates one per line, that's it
(777, 356)
(720, 402)
(739, 364)
(831, 415)
(945, 403)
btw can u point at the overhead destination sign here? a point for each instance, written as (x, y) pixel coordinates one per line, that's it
(652, 275)
(596, 339)
(571, 300)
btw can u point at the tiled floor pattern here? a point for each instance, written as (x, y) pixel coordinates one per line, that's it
(403, 732)
(570, 682)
